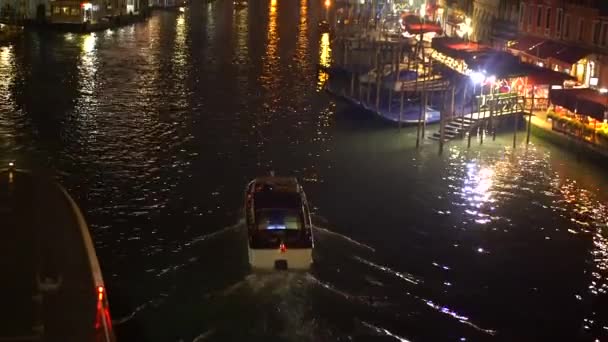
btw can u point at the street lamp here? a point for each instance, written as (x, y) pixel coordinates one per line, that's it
(477, 77)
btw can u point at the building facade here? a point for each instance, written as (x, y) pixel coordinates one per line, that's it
(484, 13)
(504, 26)
(567, 35)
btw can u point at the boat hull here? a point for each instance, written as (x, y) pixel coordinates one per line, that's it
(273, 259)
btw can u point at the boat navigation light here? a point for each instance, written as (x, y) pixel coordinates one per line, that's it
(100, 291)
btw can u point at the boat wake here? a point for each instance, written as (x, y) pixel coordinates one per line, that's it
(405, 276)
(204, 335)
(215, 234)
(151, 303)
(384, 332)
(344, 237)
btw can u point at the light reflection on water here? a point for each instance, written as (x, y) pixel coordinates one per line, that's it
(158, 136)
(324, 60)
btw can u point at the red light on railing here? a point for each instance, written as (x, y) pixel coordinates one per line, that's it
(282, 248)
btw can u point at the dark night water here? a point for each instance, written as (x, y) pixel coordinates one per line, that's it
(156, 128)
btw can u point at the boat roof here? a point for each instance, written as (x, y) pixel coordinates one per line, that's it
(277, 200)
(279, 184)
(46, 256)
(277, 192)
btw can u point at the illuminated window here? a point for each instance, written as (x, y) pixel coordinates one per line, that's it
(65, 10)
(75, 11)
(56, 9)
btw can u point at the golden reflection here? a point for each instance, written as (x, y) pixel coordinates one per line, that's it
(325, 51)
(88, 63)
(240, 24)
(302, 42)
(179, 51)
(88, 44)
(324, 60)
(7, 67)
(270, 76)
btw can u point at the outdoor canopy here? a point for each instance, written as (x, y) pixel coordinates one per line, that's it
(585, 101)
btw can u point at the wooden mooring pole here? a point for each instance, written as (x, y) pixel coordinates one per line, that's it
(422, 101)
(390, 91)
(530, 119)
(400, 88)
(515, 130)
(464, 99)
(379, 73)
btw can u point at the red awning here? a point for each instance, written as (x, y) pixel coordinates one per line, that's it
(545, 49)
(423, 28)
(542, 76)
(572, 55)
(583, 101)
(458, 48)
(414, 25)
(526, 44)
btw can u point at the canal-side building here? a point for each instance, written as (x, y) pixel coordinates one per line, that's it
(76, 12)
(106, 12)
(569, 36)
(484, 13)
(504, 25)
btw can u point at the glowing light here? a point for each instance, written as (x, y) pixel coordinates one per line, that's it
(11, 164)
(100, 292)
(87, 6)
(327, 3)
(325, 51)
(182, 9)
(324, 60)
(491, 79)
(282, 248)
(276, 226)
(423, 10)
(603, 90)
(88, 44)
(477, 77)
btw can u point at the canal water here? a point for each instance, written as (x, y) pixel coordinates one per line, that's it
(156, 128)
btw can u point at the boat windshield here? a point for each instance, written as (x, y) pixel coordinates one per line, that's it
(278, 219)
